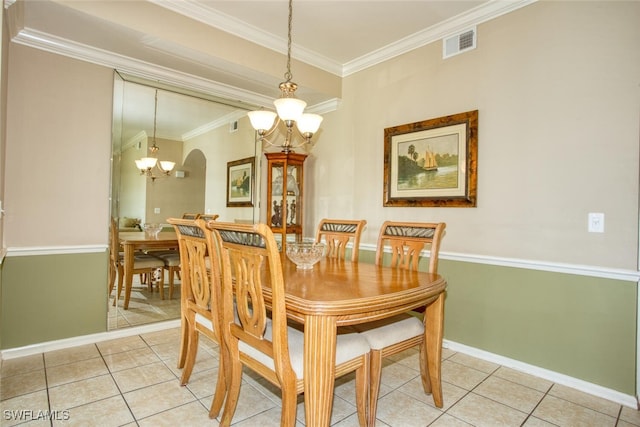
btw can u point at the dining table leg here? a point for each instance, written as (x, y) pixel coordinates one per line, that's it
(433, 334)
(128, 273)
(320, 334)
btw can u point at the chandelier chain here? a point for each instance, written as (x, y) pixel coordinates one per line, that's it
(288, 75)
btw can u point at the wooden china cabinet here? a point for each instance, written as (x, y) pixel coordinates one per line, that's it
(285, 187)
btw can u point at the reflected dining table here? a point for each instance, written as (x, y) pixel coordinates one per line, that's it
(133, 241)
(341, 293)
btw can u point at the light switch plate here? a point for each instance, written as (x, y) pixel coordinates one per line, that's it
(156, 210)
(596, 222)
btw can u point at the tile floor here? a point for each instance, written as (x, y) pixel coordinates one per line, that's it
(133, 381)
(145, 306)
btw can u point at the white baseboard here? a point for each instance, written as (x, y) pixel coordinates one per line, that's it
(86, 339)
(594, 389)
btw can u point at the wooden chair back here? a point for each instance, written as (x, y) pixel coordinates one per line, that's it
(200, 300)
(246, 250)
(208, 217)
(191, 216)
(407, 240)
(336, 233)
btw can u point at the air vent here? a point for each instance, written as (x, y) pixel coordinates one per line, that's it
(458, 43)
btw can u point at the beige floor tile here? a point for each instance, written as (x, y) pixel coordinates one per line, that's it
(108, 412)
(167, 350)
(142, 376)
(450, 393)
(632, 416)
(17, 385)
(528, 380)
(250, 403)
(399, 409)
(203, 383)
(511, 394)
(21, 365)
(191, 414)
(120, 345)
(584, 399)
(475, 363)
(481, 412)
(270, 418)
(461, 375)
(396, 374)
(82, 392)
(130, 359)
(77, 371)
(70, 355)
(564, 413)
(622, 423)
(161, 337)
(446, 420)
(157, 398)
(537, 422)
(22, 409)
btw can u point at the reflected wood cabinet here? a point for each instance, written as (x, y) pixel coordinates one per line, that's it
(285, 187)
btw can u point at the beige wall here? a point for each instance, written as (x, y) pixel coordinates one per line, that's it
(59, 146)
(557, 89)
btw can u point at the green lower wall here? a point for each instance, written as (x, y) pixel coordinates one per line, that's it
(583, 327)
(580, 326)
(51, 297)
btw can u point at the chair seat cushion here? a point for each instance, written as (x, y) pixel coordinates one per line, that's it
(145, 261)
(170, 258)
(385, 332)
(348, 346)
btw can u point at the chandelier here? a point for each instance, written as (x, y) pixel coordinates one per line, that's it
(290, 111)
(146, 164)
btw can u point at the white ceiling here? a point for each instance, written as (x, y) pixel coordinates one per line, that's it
(341, 37)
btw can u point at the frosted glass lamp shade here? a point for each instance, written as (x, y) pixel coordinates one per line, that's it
(309, 123)
(261, 119)
(149, 162)
(289, 108)
(166, 165)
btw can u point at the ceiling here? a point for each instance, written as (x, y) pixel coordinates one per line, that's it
(339, 37)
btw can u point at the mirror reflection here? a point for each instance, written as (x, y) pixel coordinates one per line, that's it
(171, 153)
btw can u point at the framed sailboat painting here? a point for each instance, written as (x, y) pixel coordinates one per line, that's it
(432, 163)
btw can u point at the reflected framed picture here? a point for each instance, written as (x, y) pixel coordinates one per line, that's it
(240, 182)
(432, 163)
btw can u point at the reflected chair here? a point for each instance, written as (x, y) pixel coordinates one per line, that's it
(337, 233)
(200, 300)
(142, 264)
(396, 334)
(209, 217)
(268, 346)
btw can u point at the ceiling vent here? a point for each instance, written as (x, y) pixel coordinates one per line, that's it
(458, 43)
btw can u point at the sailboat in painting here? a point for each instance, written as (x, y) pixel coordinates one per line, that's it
(430, 163)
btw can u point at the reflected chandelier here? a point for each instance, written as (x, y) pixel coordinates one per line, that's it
(146, 164)
(289, 110)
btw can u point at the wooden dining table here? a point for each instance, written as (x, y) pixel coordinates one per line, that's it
(133, 241)
(341, 293)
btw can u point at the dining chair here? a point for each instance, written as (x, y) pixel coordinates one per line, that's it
(396, 334)
(209, 217)
(200, 300)
(337, 233)
(267, 345)
(143, 264)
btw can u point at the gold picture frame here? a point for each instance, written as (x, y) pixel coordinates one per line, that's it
(432, 163)
(240, 180)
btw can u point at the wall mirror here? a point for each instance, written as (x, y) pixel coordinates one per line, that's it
(201, 134)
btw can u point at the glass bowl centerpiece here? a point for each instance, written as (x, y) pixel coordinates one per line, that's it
(305, 253)
(152, 230)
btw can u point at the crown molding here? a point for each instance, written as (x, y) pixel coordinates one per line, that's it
(134, 67)
(232, 25)
(473, 17)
